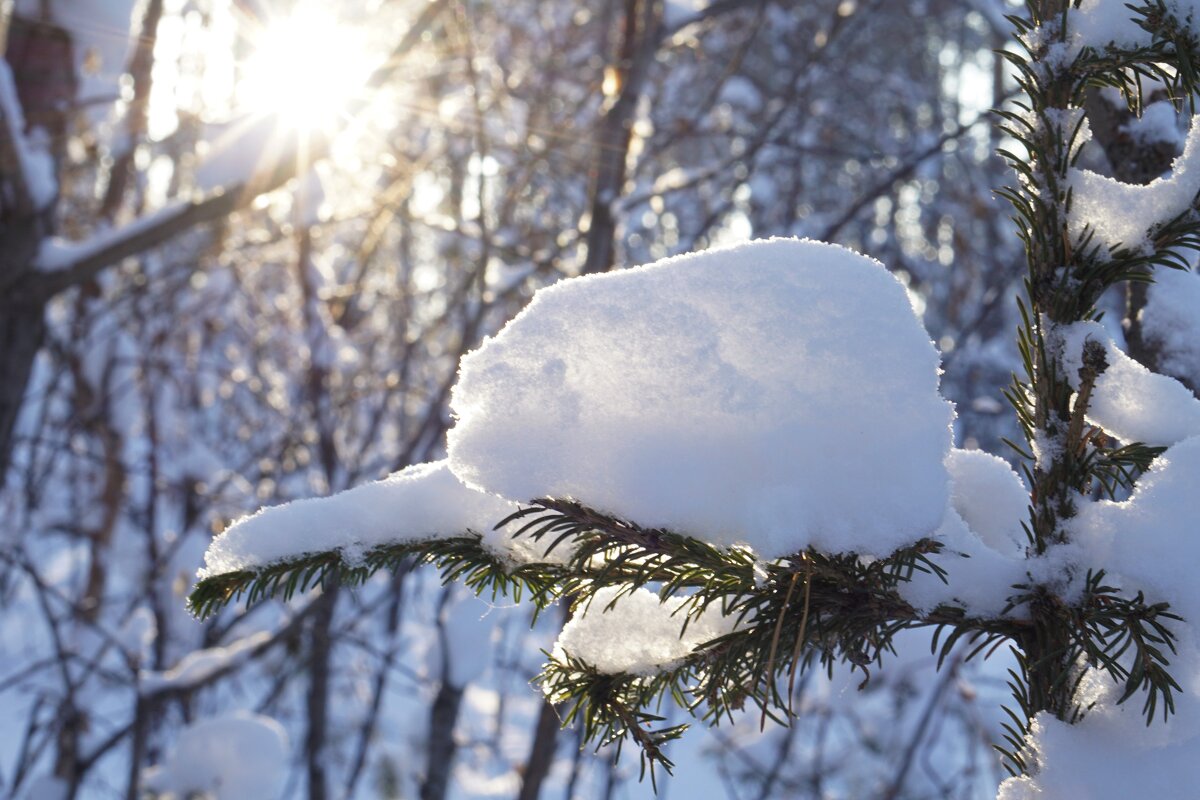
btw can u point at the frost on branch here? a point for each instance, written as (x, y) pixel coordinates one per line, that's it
(781, 394)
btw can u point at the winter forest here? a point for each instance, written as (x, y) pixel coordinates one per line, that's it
(746, 399)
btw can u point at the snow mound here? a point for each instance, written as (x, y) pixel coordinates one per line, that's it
(1100, 23)
(424, 501)
(779, 394)
(229, 757)
(1151, 539)
(639, 635)
(1078, 761)
(981, 537)
(1124, 213)
(1129, 401)
(990, 497)
(1171, 323)
(1150, 543)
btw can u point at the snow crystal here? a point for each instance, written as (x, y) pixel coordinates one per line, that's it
(421, 502)
(1129, 401)
(230, 757)
(780, 394)
(1171, 323)
(1123, 213)
(639, 635)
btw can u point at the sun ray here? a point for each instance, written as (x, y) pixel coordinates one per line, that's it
(304, 68)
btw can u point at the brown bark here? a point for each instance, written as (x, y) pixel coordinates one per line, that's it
(541, 754)
(22, 328)
(640, 36)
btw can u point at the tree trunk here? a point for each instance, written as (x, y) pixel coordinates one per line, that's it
(318, 694)
(541, 755)
(442, 747)
(639, 41)
(22, 328)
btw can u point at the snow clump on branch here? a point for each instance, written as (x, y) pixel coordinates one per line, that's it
(781, 394)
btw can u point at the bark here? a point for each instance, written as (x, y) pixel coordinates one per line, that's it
(442, 747)
(136, 119)
(318, 695)
(541, 755)
(22, 328)
(640, 36)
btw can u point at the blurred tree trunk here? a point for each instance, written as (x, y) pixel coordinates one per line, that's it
(441, 748)
(541, 754)
(623, 82)
(41, 58)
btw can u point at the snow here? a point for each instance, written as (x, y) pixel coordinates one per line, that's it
(639, 635)
(740, 395)
(229, 757)
(978, 579)
(424, 501)
(31, 150)
(1151, 539)
(1103, 23)
(1148, 543)
(1159, 123)
(1129, 401)
(1123, 213)
(1081, 763)
(199, 666)
(138, 633)
(58, 254)
(990, 497)
(677, 13)
(1171, 323)
(101, 33)
(248, 148)
(981, 536)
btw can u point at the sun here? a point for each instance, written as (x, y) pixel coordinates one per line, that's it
(305, 68)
